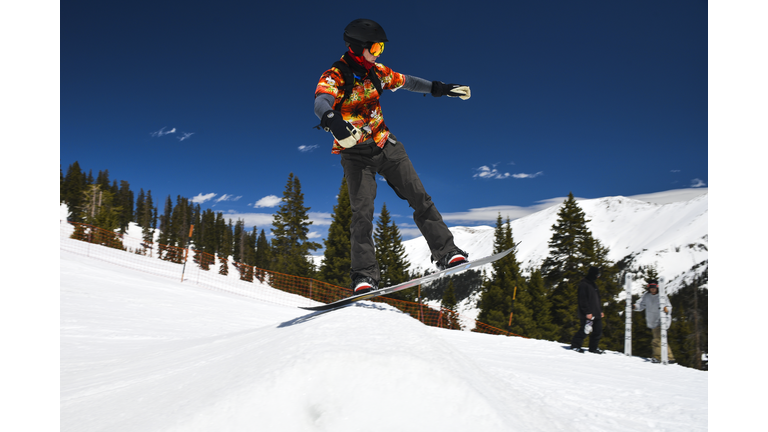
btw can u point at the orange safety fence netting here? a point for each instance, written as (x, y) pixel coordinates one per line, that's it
(221, 273)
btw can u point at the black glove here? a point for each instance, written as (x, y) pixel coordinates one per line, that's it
(450, 90)
(346, 134)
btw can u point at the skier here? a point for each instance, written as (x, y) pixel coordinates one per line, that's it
(347, 103)
(650, 303)
(590, 313)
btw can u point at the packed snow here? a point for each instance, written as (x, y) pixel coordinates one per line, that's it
(142, 352)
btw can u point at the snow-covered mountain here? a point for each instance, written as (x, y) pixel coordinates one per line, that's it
(673, 236)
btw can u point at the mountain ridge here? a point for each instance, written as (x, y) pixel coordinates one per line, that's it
(672, 235)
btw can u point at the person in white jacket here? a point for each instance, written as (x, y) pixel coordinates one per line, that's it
(650, 303)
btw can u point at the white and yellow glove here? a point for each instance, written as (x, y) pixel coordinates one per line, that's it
(345, 133)
(450, 90)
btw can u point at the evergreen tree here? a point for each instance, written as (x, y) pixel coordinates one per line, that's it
(140, 201)
(240, 242)
(609, 286)
(124, 200)
(100, 210)
(220, 236)
(181, 219)
(290, 242)
(573, 250)
(464, 284)
(336, 263)
(206, 232)
(61, 185)
(651, 273)
(250, 247)
(449, 302)
(103, 180)
(263, 252)
(449, 298)
(147, 218)
(540, 306)
(496, 302)
(224, 248)
(569, 233)
(390, 254)
(75, 183)
(165, 223)
(522, 320)
(566, 266)
(688, 335)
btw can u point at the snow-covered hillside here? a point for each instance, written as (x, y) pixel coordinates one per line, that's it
(146, 353)
(673, 236)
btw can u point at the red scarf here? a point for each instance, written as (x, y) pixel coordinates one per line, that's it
(361, 60)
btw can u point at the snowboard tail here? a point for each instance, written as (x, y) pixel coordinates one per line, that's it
(410, 283)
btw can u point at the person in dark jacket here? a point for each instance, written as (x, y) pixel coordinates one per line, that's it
(590, 313)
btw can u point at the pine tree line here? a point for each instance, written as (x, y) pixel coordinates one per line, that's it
(542, 305)
(106, 205)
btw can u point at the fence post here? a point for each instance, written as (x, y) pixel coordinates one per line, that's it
(184, 267)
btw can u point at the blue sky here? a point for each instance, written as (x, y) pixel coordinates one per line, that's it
(213, 101)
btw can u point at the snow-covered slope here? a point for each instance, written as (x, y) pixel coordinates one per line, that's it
(672, 236)
(145, 353)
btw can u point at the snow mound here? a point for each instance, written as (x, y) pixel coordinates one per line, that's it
(144, 353)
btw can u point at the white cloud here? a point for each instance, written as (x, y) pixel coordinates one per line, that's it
(228, 197)
(523, 175)
(162, 132)
(258, 220)
(486, 172)
(697, 183)
(200, 198)
(488, 215)
(666, 197)
(491, 173)
(409, 233)
(306, 148)
(186, 135)
(268, 201)
(320, 218)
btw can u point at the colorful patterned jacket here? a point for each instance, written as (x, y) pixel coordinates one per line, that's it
(361, 108)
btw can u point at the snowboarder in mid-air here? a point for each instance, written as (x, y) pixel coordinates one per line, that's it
(347, 103)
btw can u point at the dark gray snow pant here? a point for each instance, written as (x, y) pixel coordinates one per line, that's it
(361, 164)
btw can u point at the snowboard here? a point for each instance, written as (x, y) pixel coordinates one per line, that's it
(410, 283)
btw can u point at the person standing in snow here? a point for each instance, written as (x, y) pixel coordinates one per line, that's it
(347, 103)
(650, 303)
(590, 313)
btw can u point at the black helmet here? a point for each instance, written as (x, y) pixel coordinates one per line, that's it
(363, 32)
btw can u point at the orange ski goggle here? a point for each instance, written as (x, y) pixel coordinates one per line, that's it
(376, 49)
